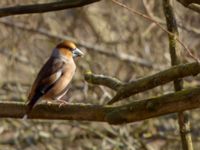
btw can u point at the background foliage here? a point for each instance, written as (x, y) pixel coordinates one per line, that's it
(109, 27)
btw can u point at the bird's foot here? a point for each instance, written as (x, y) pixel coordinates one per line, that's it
(62, 102)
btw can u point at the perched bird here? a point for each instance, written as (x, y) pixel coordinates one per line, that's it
(52, 81)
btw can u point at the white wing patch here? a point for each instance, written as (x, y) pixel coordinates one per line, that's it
(58, 75)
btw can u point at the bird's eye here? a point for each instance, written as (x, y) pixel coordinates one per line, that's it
(72, 49)
(69, 48)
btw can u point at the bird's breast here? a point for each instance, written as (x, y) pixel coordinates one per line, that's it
(62, 85)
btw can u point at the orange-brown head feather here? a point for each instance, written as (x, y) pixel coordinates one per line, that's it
(67, 45)
(66, 48)
(67, 53)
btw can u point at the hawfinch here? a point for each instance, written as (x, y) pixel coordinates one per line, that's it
(52, 81)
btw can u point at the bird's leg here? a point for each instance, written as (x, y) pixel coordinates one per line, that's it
(62, 102)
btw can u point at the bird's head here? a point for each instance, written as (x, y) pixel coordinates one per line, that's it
(68, 49)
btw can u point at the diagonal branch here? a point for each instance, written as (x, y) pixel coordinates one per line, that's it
(188, 2)
(149, 82)
(191, 4)
(135, 111)
(41, 8)
(133, 12)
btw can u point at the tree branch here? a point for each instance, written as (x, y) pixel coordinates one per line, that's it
(133, 12)
(41, 8)
(188, 2)
(149, 82)
(110, 82)
(172, 27)
(191, 4)
(135, 111)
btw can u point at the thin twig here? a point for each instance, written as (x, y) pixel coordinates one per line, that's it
(133, 12)
(190, 28)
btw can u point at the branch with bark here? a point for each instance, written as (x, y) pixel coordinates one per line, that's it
(152, 81)
(135, 111)
(172, 27)
(111, 82)
(191, 4)
(125, 90)
(46, 7)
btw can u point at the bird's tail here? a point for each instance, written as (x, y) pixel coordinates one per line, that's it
(31, 104)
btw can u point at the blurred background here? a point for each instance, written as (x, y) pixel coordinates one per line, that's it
(116, 43)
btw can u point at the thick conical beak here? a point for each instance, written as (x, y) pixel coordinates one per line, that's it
(77, 53)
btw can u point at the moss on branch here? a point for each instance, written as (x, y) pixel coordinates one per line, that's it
(135, 111)
(149, 82)
(125, 90)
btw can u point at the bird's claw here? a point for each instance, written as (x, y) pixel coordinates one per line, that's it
(62, 102)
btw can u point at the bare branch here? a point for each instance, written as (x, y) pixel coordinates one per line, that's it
(153, 107)
(135, 111)
(41, 8)
(110, 82)
(149, 82)
(185, 27)
(132, 11)
(191, 4)
(172, 27)
(188, 2)
(195, 7)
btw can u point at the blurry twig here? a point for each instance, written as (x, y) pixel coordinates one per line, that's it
(90, 47)
(159, 25)
(9, 53)
(46, 7)
(100, 134)
(161, 21)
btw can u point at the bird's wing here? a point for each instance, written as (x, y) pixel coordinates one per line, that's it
(48, 75)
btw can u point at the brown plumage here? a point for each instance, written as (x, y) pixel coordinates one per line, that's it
(54, 77)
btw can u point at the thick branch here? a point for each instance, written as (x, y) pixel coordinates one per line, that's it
(154, 107)
(155, 80)
(41, 8)
(135, 111)
(188, 2)
(191, 4)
